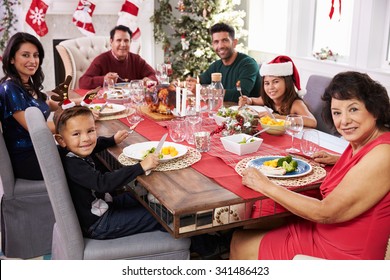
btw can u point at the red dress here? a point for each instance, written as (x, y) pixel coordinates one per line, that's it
(364, 237)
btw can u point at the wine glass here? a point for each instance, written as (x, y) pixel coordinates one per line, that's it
(137, 97)
(162, 73)
(137, 84)
(293, 125)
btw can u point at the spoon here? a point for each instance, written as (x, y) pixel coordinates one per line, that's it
(269, 112)
(257, 133)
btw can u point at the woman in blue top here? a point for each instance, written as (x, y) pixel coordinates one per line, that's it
(20, 88)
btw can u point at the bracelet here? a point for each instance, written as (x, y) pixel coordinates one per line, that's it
(251, 101)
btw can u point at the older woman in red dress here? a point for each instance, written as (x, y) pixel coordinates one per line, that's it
(352, 220)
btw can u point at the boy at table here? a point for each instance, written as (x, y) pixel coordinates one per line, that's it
(102, 215)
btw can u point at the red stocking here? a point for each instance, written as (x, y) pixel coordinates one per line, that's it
(82, 17)
(35, 16)
(128, 17)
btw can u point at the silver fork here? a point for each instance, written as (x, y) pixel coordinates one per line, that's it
(122, 79)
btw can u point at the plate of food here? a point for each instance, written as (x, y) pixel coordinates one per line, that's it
(169, 151)
(281, 167)
(108, 108)
(253, 109)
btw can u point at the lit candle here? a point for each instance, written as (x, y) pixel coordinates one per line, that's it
(184, 103)
(178, 89)
(197, 95)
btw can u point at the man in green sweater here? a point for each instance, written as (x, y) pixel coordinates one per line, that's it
(233, 65)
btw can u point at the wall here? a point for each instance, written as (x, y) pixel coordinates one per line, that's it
(105, 16)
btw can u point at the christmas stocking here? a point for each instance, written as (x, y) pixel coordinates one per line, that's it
(35, 16)
(128, 17)
(82, 17)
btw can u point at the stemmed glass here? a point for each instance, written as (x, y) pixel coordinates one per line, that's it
(135, 98)
(162, 73)
(293, 125)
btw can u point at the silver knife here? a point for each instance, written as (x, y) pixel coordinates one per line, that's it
(158, 149)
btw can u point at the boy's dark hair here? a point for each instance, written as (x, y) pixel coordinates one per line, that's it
(62, 116)
(222, 27)
(121, 28)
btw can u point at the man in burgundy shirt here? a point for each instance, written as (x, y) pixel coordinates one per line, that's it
(117, 64)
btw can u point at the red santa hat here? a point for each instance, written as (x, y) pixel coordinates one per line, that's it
(67, 104)
(282, 66)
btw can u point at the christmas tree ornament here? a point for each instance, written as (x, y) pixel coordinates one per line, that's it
(82, 17)
(36, 14)
(185, 44)
(128, 16)
(180, 6)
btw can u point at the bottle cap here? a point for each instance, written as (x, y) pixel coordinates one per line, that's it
(216, 77)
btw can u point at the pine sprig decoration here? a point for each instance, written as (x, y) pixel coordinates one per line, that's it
(190, 21)
(8, 21)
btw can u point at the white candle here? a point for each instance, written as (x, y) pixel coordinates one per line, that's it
(197, 96)
(184, 103)
(178, 89)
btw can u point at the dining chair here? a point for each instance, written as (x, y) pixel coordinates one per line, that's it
(27, 217)
(315, 88)
(77, 55)
(68, 242)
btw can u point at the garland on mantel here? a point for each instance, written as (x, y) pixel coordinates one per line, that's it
(8, 21)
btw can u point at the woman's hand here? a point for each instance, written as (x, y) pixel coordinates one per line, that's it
(120, 136)
(254, 179)
(325, 157)
(150, 162)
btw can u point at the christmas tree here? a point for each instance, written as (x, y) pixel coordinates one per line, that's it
(7, 22)
(184, 32)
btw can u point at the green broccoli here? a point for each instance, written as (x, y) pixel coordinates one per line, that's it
(287, 159)
(290, 167)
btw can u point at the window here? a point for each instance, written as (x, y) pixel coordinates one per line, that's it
(333, 33)
(268, 32)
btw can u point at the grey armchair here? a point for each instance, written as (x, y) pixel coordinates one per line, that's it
(68, 242)
(27, 218)
(315, 88)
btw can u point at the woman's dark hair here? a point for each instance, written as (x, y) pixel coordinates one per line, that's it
(61, 116)
(355, 85)
(14, 44)
(288, 98)
(121, 28)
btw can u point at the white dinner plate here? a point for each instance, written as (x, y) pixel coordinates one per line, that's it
(303, 167)
(110, 109)
(258, 109)
(137, 151)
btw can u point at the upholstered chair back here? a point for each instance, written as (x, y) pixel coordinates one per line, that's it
(77, 55)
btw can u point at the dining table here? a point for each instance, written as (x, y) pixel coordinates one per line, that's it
(202, 192)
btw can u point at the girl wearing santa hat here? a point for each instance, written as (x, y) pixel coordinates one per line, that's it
(281, 91)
